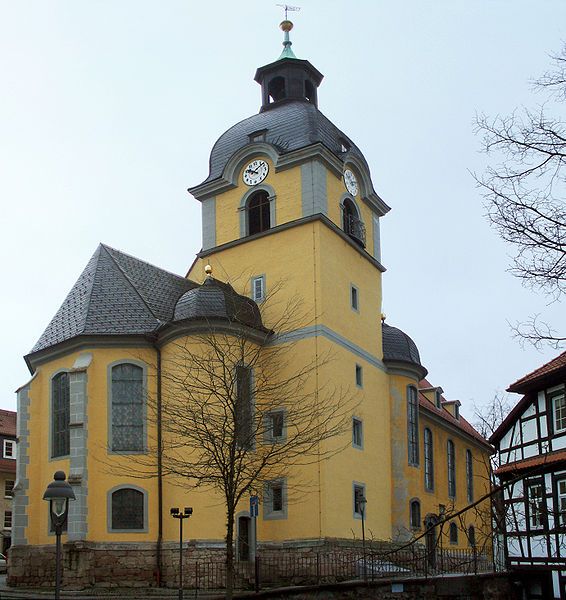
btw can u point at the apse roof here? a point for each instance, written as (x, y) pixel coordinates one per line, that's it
(290, 125)
(398, 346)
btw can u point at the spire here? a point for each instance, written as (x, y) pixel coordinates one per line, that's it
(286, 27)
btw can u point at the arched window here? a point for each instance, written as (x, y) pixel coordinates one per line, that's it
(351, 222)
(60, 415)
(470, 475)
(413, 425)
(415, 514)
(276, 89)
(453, 533)
(471, 536)
(428, 460)
(451, 459)
(128, 510)
(127, 430)
(258, 209)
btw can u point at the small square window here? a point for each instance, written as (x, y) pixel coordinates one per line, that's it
(9, 449)
(8, 519)
(274, 426)
(359, 376)
(8, 488)
(359, 498)
(275, 500)
(258, 288)
(357, 433)
(354, 298)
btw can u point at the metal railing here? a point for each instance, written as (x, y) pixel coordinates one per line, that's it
(332, 566)
(355, 228)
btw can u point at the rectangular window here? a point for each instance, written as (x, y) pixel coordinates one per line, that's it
(127, 401)
(258, 288)
(9, 449)
(559, 411)
(357, 433)
(413, 425)
(8, 488)
(275, 500)
(470, 475)
(8, 519)
(428, 460)
(359, 500)
(243, 426)
(451, 459)
(359, 376)
(354, 298)
(561, 489)
(536, 505)
(274, 426)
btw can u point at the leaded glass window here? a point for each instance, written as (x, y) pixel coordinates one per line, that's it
(243, 429)
(128, 509)
(413, 425)
(451, 456)
(470, 475)
(428, 460)
(60, 415)
(127, 408)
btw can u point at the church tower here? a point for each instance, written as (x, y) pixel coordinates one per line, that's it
(289, 205)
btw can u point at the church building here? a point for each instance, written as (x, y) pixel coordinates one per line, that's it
(289, 211)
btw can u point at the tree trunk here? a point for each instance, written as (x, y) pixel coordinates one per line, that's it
(230, 553)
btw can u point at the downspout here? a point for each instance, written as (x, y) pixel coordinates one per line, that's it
(159, 564)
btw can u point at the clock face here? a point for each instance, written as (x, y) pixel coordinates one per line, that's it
(351, 182)
(255, 172)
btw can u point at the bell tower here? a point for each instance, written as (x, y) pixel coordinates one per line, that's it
(288, 78)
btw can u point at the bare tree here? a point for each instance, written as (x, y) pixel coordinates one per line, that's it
(488, 417)
(240, 408)
(525, 194)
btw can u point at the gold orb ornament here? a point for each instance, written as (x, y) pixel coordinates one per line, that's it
(208, 270)
(286, 25)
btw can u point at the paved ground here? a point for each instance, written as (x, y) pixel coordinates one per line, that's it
(8, 593)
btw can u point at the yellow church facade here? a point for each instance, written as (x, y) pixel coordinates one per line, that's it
(290, 217)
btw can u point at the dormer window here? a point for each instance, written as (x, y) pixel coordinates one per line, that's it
(351, 222)
(259, 218)
(344, 146)
(258, 136)
(438, 399)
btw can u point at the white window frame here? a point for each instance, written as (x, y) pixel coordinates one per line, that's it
(358, 486)
(354, 298)
(359, 376)
(12, 445)
(9, 493)
(561, 500)
(536, 502)
(258, 280)
(358, 424)
(268, 426)
(559, 396)
(11, 516)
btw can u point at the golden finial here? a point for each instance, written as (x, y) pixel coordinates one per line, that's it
(286, 26)
(208, 270)
(383, 317)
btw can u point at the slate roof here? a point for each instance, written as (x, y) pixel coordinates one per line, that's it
(398, 346)
(445, 415)
(290, 125)
(540, 375)
(115, 294)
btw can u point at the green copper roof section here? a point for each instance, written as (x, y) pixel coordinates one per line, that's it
(286, 26)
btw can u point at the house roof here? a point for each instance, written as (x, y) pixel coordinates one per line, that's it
(539, 376)
(8, 422)
(118, 294)
(7, 465)
(446, 416)
(531, 463)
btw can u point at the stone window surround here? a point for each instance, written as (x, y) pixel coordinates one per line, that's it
(50, 441)
(127, 486)
(143, 366)
(268, 513)
(242, 209)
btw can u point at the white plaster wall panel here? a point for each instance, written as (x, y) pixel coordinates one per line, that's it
(530, 450)
(505, 441)
(529, 431)
(516, 439)
(539, 546)
(530, 411)
(559, 443)
(543, 427)
(513, 548)
(541, 402)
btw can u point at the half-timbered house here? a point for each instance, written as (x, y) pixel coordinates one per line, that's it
(531, 447)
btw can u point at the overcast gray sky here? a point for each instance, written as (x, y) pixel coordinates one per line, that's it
(109, 110)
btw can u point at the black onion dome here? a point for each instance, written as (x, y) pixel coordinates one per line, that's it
(217, 300)
(288, 125)
(399, 347)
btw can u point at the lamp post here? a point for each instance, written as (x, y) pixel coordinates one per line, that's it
(177, 514)
(58, 492)
(363, 502)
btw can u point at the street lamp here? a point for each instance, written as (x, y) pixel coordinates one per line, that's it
(363, 502)
(177, 514)
(58, 492)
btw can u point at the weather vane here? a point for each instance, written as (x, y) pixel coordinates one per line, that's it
(289, 8)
